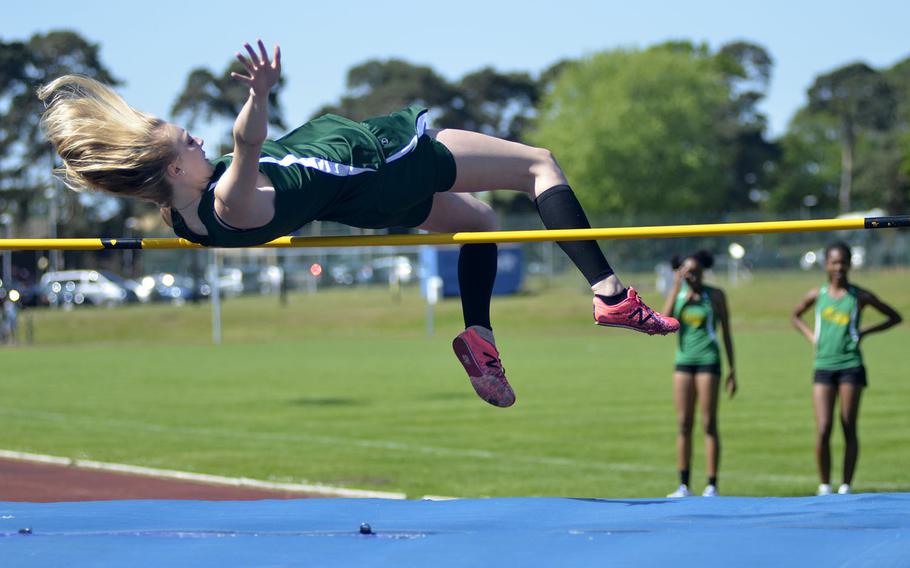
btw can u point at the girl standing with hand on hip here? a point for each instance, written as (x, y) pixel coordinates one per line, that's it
(839, 369)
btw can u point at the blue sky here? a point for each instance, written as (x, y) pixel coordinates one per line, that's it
(153, 45)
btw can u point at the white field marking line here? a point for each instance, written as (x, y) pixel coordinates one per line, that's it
(412, 448)
(104, 424)
(243, 482)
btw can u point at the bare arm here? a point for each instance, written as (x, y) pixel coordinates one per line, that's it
(239, 198)
(719, 301)
(796, 317)
(867, 298)
(678, 276)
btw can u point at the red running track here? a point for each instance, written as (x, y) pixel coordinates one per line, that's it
(39, 482)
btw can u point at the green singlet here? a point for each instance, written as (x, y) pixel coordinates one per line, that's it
(375, 174)
(837, 331)
(697, 337)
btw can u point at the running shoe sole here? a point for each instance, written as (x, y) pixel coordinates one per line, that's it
(632, 327)
(488, 387)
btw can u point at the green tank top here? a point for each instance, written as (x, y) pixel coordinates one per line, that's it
(837, 330)
(317, 171)
(697, 336)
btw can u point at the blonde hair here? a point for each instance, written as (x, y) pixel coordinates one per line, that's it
(105, 143)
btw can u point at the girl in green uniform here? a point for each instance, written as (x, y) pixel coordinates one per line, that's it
(699, 309)
(383, 172)
(838, 366)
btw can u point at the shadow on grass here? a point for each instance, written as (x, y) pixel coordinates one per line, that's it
(449, 396)
(327, 401)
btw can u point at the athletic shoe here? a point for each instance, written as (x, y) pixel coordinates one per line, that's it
(710, 491)
(844, 489)
(682, 491)
(481, 360)
(632, 313)
(823, 489)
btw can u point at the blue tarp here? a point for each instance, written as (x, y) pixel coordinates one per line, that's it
(443, 262)
(849, 530)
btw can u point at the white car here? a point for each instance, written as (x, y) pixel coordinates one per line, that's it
(82, 287)
(387, 269)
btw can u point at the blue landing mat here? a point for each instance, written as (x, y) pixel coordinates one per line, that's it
(850, 530)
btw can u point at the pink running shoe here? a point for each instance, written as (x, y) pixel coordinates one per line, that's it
(481, 360)
(632, 313)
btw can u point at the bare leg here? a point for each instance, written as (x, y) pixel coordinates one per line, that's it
(684, 401)
(476, 262)
(454, 212)
(849, 414)
(708, 385)
(487, 163)
(823, 397)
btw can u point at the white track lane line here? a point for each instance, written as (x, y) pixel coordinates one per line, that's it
(459, 453)
(316, 489)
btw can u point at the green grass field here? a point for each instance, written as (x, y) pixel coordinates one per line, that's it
(343, 387)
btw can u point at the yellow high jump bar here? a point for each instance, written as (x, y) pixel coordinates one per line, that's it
(655, 232)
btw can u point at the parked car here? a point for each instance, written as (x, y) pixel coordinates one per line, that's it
(342, 274)
(253, 279)
(386, 270)
(135, 292)
(269, 279)
(82, 287)
(175, 288)
(30, 295)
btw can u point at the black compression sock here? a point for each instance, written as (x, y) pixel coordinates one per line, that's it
(559, 209)
(615, 298)
(476, 274)
(684, 477)
(712, 481)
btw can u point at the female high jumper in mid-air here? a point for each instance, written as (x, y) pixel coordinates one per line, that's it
(383, 172)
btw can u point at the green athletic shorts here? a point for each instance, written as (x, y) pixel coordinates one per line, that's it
(400, 193)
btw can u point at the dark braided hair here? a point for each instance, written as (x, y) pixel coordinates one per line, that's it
(704, 259)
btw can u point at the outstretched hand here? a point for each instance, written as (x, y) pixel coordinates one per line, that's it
(263, 74)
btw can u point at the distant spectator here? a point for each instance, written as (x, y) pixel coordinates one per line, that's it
(839, 368)
(5, 330)
(10, 321)
(699, 309)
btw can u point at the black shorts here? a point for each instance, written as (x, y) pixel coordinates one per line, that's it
(713, 368)
(853, 376)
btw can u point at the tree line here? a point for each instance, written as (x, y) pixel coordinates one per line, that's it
(673, 129)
